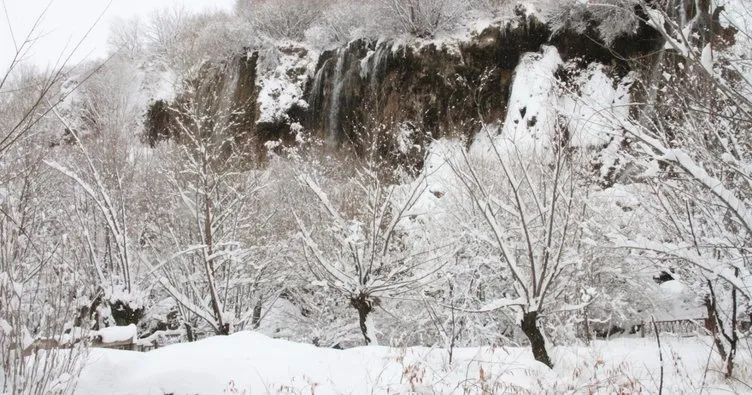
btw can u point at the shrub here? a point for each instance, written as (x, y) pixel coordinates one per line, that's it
(613, 18)
(422, 18)
(341, 22)
(283, 19)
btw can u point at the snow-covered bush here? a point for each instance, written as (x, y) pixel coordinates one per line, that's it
(341, 22)
(360, 249)
(491, 6)
(695, 132)
(421, 18)
(184, 40)
(38, 268)
(612, 18)
(224, 37)
(284, 19)
(29, 361)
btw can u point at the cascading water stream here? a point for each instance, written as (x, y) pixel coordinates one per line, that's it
(377, 64)
(317, 90)
(336, 100)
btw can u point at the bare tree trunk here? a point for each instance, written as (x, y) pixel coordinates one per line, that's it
(256, 318)
(222, 328)
(733, 339)
(588, 335)
(364, 307)
(189, 332)
(660, 353)
(710, 305)
(530, 328)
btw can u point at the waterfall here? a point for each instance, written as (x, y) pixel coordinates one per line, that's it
(373, 66)
(378, 63)
(220, 87)
(317, 90)
(336, 100)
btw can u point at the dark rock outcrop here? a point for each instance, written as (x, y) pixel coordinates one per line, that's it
(223, 96)
(396, 97)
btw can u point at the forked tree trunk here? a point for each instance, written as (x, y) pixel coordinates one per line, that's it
(364, 307)
(530, 328)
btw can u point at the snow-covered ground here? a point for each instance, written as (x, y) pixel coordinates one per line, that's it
(251, 363)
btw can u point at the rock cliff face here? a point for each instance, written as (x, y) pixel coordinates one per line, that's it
(397, 97)
(224, 91)
(414, 94)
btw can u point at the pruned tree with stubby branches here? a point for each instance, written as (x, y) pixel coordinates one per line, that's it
(527, 202)
(358, 246)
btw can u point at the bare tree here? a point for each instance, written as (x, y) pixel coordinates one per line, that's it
(423, 18)
(526, 200)
(214, 271)
(112, 209)
(699, 136)
(359, 251)
(35, 271)
(284, 19)
(127, 36)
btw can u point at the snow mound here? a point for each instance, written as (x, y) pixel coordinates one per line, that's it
(251, 363)
(597, 112)
(590, 109)
(673, 287)
(532, 109)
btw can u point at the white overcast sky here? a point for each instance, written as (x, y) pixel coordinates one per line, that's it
(66, 22)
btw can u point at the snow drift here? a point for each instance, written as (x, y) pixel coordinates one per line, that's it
(250, 363)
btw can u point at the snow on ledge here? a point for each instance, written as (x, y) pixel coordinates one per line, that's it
(117, 334)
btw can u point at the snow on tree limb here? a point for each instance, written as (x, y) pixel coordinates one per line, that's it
(683, 161)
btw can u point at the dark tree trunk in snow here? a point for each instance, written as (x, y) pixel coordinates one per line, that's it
(256, 318)
(364, 306)
(189, 332)
(712, 324)
(362, 317)
(529, 326)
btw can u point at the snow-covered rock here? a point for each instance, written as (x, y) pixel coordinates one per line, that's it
(117, 334)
